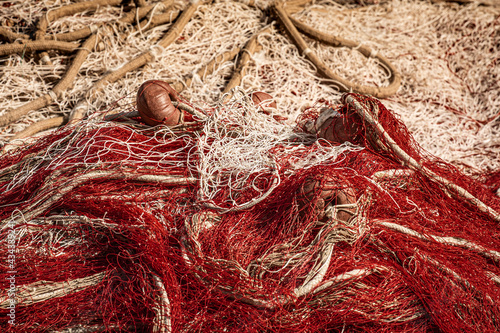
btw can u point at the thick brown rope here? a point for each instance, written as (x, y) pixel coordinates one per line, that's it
(128, 18)
(40, 42)
(12, 36)
(72, 9)
(30, 46)
(139, 61)
(39, 126)
(56, 92)
(247, 53)
(291, 26)
(69, 77)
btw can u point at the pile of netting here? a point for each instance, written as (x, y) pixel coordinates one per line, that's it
(235, 221)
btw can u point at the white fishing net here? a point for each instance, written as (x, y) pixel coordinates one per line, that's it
(447, 54)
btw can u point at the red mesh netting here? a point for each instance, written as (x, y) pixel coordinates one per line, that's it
(240, 223)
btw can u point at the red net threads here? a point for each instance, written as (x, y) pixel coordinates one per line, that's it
(134, 229)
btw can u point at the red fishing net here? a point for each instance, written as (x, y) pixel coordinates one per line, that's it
(234, 221)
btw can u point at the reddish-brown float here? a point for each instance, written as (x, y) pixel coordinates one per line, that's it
(263, 99)
(154, 103)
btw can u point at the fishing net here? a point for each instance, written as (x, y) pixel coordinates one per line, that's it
(322, 215)
(236, 221)
(446, 53)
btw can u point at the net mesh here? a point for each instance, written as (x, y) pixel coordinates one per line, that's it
(238, 221)
(441, 50)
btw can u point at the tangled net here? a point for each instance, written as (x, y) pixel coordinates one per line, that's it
(234, 221)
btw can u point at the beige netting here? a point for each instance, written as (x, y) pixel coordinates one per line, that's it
(447, 55)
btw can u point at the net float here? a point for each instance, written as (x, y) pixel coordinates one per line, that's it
(264, 100)
(324, 191)
(339, 128)
(154, 103)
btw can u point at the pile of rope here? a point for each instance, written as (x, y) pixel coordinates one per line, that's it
(233, 220)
